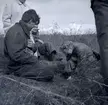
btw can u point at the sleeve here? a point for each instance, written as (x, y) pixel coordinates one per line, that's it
(6, 17)
(17, 50)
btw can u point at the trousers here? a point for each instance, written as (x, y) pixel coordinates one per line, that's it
(100, 10)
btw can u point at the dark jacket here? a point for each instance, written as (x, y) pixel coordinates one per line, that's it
(22, 62)
(15, 47)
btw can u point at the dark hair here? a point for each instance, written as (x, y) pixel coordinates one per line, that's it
(31, 15)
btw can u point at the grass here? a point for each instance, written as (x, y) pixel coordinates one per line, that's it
(57, 40)
(84, 88)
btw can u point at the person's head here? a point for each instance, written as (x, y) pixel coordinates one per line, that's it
(67, 47)
(31, 18)
(22, 1)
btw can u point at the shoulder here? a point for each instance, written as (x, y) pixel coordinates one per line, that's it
(16, 28)
(9, 5)
(15, 34)
(6, 6)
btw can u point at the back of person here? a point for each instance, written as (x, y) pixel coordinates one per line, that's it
(83, 50)
(77, 51)
(10, 47)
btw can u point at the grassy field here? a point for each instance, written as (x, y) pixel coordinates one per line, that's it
(57, 40)
(83, 89)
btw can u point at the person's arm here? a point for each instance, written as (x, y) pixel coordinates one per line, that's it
(6, 17)
(32, 46)
(17, 50)
(34, 36)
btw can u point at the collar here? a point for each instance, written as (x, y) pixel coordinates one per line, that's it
(25, 28)
(21, 3)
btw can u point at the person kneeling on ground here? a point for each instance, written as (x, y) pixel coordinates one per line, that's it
(76, 52)
(20, 51)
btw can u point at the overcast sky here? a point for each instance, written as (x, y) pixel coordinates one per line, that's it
(63, 12)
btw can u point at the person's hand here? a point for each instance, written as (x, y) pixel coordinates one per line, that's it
(30, 44)
(34, 31)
